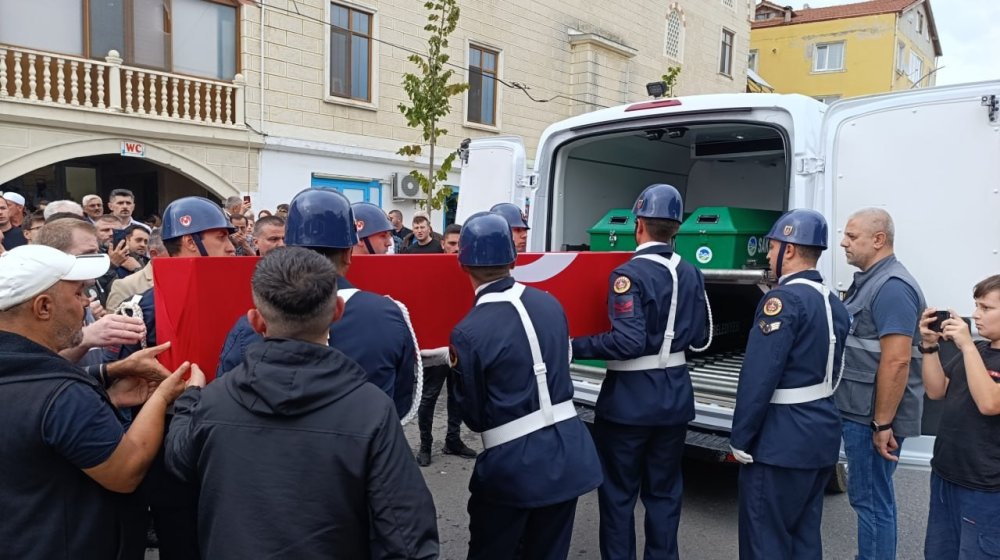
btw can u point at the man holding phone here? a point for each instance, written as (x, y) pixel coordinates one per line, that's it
(133, 241)
(965, 482)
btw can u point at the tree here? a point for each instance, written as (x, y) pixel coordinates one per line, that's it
(670, 79)
(429, 92)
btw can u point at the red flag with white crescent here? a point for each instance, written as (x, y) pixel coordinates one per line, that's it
(198, 300)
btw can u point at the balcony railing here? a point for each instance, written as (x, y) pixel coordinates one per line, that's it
(66, 81)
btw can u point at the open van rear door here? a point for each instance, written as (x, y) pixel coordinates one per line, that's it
(493, 171)
(931, 158)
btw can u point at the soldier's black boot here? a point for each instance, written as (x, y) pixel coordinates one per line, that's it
(424, 455)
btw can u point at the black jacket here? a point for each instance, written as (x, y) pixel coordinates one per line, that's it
(299, 457)
(49, 508)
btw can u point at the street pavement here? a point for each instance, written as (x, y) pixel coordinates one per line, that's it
(708, 520)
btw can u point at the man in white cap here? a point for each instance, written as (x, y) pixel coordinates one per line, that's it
(10, 235)
(15, 208)
(66, 450)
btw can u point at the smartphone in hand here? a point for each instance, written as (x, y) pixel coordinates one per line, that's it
(939, 318)
(117, 236)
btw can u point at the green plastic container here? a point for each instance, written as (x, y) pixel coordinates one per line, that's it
(727, 238)
(615, 231)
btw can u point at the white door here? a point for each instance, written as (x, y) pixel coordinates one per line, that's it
(931, 158)
(492, 171)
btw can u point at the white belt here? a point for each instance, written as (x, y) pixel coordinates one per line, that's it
(665, 358)
(547, 414)
(649, 362)
(347, 293)
(527, 424)
(824, 389)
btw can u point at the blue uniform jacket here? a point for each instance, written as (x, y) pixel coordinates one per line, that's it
(494, 383)
(372, 332)
(787, 348)
(638, 308)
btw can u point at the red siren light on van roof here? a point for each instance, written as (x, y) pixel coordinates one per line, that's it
(653, 104)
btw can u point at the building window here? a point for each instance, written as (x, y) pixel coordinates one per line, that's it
(208, 45)
(62, 32)
(731, 4)
(916, 69)
(142, 31)
(482, 85)
(726, 54)
(901, 57)
(828, 99)
(828, 57)
(752, 60)
(920, 23)
(674, 43)
(760, 16)
(350, 53)
(355, 190)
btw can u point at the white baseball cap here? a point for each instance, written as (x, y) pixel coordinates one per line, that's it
(13, 197)
(29, 270)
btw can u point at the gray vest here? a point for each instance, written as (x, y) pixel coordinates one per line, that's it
(856, 395)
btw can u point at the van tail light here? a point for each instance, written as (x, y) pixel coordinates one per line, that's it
(653, 104)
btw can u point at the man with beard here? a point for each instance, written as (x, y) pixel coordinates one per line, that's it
(66, 451)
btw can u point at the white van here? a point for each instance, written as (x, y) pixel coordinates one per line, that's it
(931, 157)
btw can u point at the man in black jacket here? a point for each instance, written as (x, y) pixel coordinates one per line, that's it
(297, 456)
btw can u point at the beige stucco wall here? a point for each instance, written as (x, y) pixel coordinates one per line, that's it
(539, 47)
(225, 162)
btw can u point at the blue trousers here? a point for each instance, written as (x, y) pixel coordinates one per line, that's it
(963, 524)
(498, 532)
(869, 488)
(780, 512)
(639, 461)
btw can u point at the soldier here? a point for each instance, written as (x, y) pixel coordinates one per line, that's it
(373, 330)
(518, 223)
(192, 227)
(656, 303)
(374, 229)
(786, 427)
(511, 380)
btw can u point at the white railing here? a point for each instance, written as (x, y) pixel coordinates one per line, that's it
(53, 79)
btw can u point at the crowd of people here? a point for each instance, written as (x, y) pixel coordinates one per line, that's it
(296, 449)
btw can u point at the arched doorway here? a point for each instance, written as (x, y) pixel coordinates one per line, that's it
(157, 174)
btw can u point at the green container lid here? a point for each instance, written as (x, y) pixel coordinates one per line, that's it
(721, 237)
(614, 232)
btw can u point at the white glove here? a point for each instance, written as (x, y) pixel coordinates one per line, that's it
(742, 456)
(436, 357)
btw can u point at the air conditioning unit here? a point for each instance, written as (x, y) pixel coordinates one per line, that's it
(406, 188)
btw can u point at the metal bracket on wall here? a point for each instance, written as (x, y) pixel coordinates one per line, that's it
(992, 104)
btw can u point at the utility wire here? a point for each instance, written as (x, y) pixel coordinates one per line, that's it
(512, 85)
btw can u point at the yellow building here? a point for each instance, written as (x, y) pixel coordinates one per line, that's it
(847, 50)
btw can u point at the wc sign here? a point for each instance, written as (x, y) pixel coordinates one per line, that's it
(133, 149)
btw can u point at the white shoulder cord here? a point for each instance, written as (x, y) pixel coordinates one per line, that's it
(130, 308)
(418, 369)
(711, 326)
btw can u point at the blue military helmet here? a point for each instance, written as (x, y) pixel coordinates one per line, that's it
(370, 219)
(486, 241)
(191, 215)
(660, 201)
(320, 218)
(800, 227)
(510, 212)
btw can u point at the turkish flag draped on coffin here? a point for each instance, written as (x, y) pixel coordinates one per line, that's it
(198, 300)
